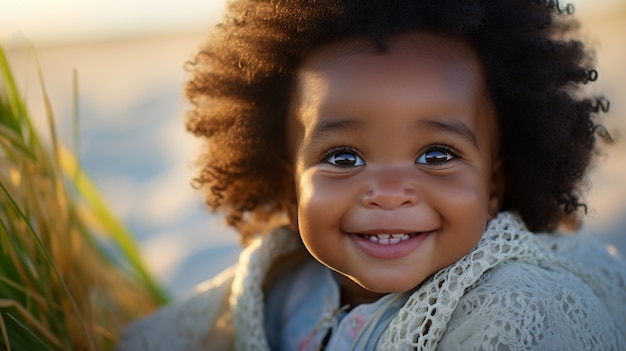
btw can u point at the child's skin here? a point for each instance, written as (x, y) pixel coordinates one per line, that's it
(400, 142)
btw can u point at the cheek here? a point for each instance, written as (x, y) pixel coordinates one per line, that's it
(465, 191)
(320, 204)
(463, 203)
(323, 202)
(318, 198)
(309, 202)
(311, 192)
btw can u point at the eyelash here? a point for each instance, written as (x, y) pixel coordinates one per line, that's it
(453, 151)
(447, 148)
(337, 149)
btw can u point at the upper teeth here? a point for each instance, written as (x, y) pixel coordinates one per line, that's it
(387, 239)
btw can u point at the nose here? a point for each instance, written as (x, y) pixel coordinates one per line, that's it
(390, 189)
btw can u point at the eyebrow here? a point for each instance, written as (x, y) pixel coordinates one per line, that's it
(455, 127)
(330, 126)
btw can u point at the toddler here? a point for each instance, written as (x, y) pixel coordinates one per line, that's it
(388, 164)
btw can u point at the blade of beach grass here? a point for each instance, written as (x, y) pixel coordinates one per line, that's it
(50, 261)
(89, 192)
(56, 277)
(122, 237)
(49, 114)
(24, 314)
(75, 124)
(17, 110)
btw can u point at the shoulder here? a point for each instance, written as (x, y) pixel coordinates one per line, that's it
(206, 319)
(523, 306)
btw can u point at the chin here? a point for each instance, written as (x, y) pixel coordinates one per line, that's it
(386, 286)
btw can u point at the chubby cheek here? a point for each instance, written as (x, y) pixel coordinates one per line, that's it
(464, 207)
(321, 202)
(464, 197)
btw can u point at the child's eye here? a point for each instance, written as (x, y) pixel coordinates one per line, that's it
(437, 155)
(343, 157)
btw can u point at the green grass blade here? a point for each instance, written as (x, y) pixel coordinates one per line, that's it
(51, 262)
(11, 97)
(122, 237)
(54, 271)
(22, 337)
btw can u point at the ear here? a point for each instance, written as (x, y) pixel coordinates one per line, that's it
(289, 198)
(496, 191)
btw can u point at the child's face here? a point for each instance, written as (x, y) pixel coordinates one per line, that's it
(394, 158)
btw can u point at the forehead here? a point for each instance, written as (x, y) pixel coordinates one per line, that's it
(335, 72)
(436, 57)
(420, 75)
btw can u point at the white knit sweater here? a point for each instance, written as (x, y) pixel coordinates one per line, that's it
(515, 291)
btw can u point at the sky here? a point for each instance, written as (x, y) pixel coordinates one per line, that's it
(57, 21)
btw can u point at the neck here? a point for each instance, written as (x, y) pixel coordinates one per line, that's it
(353, 294)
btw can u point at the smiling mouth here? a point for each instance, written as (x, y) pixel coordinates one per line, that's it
(388, 239)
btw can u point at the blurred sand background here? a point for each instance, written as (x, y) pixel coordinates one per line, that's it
(129, 57)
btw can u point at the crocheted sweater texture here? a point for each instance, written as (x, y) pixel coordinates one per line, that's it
(515, 291)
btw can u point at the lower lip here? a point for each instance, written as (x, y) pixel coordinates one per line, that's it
(390, 251)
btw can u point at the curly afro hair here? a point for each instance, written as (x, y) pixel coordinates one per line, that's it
(242, 81)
